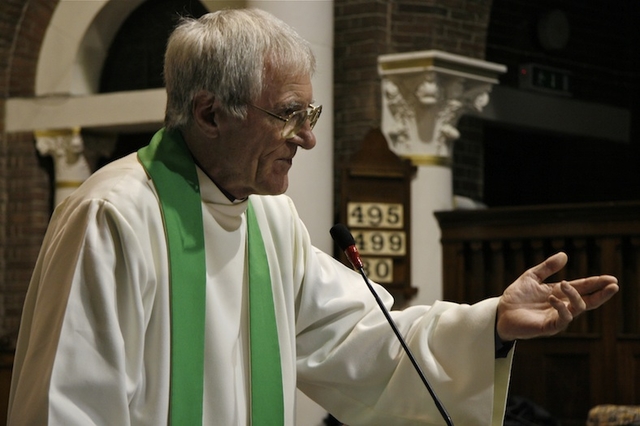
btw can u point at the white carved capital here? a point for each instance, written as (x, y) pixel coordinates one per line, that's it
(70, 152)
(424, 94)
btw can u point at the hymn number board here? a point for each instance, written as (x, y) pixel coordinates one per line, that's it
(378, 229)
(375, 205)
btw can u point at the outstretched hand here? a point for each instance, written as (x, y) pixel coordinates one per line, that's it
(530, 308)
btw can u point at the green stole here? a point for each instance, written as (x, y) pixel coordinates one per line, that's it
(168, 162)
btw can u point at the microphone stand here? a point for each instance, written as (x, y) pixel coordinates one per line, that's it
(345, 240)
(436, 400)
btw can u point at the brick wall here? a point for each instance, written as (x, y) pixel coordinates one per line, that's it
(24, 184)
(365, 29)
(468, 159)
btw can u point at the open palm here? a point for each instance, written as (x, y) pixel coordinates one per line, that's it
(531, 308)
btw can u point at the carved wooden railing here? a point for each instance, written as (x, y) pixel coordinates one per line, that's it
(595, 361)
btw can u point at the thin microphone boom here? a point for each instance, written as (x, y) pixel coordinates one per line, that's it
(346, 242)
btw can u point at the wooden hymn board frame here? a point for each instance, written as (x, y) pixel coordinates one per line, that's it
(375, 204)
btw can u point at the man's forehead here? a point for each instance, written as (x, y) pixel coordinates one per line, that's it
(289, 91)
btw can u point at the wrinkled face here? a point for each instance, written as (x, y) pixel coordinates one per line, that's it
(257, 156)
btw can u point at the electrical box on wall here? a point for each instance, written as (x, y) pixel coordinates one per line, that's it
(375, 206)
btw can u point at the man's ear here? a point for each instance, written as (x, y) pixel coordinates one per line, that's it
(204, 113)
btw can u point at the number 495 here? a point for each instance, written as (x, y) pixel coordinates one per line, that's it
(376, 215)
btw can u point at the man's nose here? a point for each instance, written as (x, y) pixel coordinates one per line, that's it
(305, 137)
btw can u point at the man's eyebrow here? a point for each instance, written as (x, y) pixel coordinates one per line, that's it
(292, 106)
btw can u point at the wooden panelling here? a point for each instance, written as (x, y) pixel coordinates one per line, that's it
(597, 359)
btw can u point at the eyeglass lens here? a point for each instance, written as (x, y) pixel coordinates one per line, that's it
(297, 119)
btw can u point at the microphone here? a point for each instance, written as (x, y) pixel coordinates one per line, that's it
(347, 243)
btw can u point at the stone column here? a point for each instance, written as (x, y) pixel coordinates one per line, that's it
(74, 159)
(424, 94)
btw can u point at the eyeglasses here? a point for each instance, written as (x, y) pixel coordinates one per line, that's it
(294, 121)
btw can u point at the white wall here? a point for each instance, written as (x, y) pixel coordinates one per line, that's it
(311, 177)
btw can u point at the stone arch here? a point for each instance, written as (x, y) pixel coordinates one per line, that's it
(77, 40)
(76, 43)
(65, 80)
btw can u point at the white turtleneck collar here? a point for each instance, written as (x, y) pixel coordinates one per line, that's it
(228, 213)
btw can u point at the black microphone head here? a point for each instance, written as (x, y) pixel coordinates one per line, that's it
(342, 236)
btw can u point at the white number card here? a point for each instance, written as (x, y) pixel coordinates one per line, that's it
(378, 269)
(375, 215)
(385, 243)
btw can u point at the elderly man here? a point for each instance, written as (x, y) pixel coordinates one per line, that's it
(178, 285)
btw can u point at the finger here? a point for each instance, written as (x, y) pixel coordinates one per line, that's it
(549, 267)
(594, 300)
(593, 284)
(564, 315)
(577, 305)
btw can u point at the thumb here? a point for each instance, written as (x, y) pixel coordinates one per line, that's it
(549, 267)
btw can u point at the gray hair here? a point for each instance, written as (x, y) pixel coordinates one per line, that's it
(225, 53)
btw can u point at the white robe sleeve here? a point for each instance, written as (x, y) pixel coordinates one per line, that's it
(361, 374)
(84, 347)
(349, 360)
